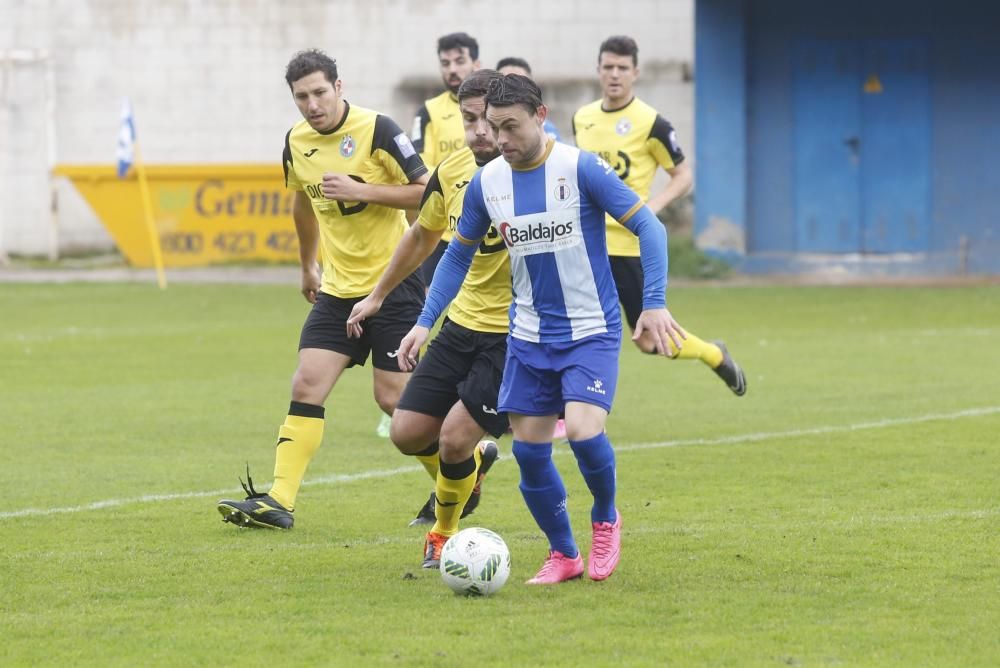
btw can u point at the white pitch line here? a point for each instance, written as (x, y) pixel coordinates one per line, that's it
(367, 475)
(813, 431)
(151, 498)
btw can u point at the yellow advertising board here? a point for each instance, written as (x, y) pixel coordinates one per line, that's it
(205, 214)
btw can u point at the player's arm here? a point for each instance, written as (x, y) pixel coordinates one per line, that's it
(306, 226)
(406, 174)
(611, 193)
(655, 320)
(447, 281)
(450, 273)
(643, 223)
(662, 143)
(398, 196)
(307, 230)
(416, 246)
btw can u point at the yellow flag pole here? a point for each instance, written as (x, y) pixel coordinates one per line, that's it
(147, 207)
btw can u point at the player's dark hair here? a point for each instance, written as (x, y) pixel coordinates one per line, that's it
(459, 40)
(620, 45)
(477, 84)
(306, 62)
(514, 61)
(512, 89)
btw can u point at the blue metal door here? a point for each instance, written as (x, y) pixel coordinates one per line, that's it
(862, 145)
(895, 148)
(827, 135)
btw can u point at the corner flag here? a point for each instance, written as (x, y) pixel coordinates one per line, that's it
(126, 140)
(128, 153)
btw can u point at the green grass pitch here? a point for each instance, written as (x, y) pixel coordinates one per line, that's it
(846, 512)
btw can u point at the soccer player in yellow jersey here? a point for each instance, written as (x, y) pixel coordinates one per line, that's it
(634, 139)
(451, 399)
(437, 129)
(353, 172)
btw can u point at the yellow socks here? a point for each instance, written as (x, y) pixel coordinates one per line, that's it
(429, 458)
(454, 487)
(693, 348)
(298, 440)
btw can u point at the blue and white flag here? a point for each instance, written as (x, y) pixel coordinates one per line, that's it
(126, 140)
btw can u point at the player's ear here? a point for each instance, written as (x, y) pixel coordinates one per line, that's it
(338, 86)
(542, 112)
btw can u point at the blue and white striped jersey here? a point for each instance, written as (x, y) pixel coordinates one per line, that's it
(551, 218)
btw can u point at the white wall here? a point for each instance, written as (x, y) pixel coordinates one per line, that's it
(206, 79)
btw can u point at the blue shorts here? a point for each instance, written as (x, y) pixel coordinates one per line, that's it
(539, 378)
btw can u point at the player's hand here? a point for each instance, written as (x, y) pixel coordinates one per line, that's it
(365, 308)
(410, 346)
(310, 282)
(668, 335)
(341, 187)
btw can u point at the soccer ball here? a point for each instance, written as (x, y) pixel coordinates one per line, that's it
(475, 562)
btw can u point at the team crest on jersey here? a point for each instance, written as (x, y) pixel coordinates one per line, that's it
(347, 146)
(623, 126)
(563, 191)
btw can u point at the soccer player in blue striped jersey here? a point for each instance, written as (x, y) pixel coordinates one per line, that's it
(548, 202)
(515, 65)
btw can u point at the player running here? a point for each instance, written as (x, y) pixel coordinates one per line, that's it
(548, 202)
(353, 172)
(451, 400)
(632, 137)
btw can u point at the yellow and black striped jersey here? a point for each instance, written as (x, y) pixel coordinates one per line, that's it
(483, 303)
(634, 140)
(357, 239)
(438, 132)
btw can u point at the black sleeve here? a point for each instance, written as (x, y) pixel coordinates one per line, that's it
(434, 184)
(664, 132)
(420, 128)
(394, 141)
(286, 157)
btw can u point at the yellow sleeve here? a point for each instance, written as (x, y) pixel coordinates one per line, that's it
(433, 214)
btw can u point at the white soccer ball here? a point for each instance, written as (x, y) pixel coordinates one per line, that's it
(475, 562)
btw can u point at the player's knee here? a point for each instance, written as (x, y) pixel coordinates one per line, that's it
(455, 448)
(584, 431)
(408, 435)
(402, 435)
(308, 386)
(386, 399)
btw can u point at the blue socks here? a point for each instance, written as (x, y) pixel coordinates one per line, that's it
(596, 460)
(545, 495)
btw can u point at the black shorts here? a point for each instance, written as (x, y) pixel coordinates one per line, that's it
(628, 279)
(326, 326)
(431, 263)
(460, 365)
